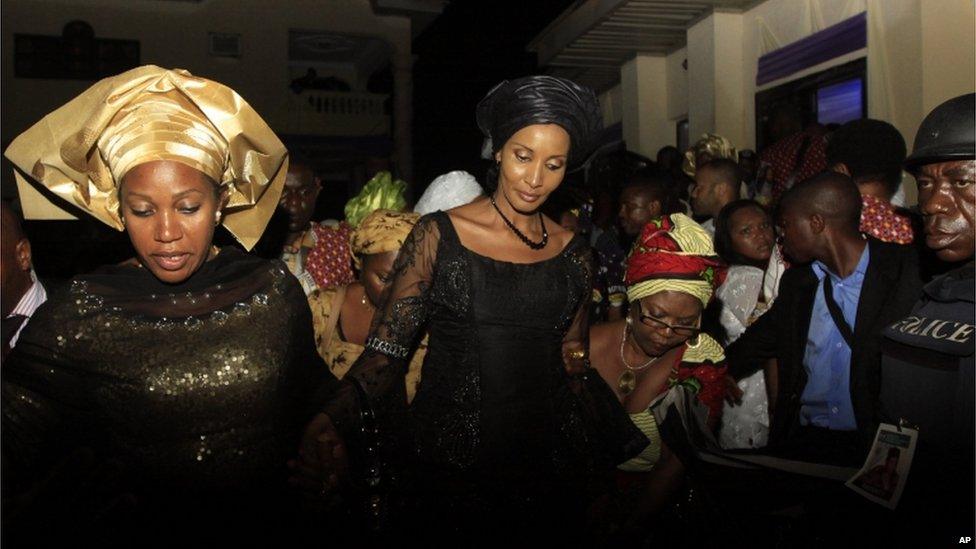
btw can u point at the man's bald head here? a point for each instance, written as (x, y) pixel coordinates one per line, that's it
(723, 171)
(716, 184)
(830, 195)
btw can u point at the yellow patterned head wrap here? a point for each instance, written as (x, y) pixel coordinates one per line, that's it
(380, 192)
(715, 145)
(381, 231)
(673, 253)
(79, 153)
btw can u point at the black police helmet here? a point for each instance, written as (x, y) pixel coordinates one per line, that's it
(947, 133)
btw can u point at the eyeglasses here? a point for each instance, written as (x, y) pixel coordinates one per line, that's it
(651, 322)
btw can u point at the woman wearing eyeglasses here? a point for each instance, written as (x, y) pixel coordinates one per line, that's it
(671, 276)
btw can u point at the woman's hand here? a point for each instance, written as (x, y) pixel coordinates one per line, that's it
(733, 394)
(323, 462)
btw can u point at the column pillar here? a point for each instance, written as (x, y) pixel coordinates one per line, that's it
(716, 78)
(403, 116)
(644, 95)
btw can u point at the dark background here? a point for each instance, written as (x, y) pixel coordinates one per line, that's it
(472, 46)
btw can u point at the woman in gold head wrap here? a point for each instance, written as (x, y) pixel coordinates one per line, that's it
(181, 376)
(342, 316)
(671, 276)
(709, 147)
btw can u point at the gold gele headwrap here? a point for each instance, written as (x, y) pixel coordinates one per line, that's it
(162, 126)
(716, 145)
(381, 231)
(80, 152)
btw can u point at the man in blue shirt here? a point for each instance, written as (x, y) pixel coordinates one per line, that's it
(825, 326)
(826, 400)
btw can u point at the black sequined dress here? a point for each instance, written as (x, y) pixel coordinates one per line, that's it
(173, 409)
(496, 436)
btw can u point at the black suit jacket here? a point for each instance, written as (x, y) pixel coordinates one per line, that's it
(891, 286)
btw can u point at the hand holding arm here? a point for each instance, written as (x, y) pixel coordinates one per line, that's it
(379, 370)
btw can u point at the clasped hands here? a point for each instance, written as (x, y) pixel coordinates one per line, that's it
(322, 466)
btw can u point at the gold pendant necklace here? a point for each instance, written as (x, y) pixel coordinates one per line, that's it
(627, 381)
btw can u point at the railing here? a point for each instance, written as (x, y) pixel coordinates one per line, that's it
(319, 112)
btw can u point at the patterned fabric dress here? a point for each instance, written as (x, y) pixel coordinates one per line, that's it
(881, 220)
(323, 258)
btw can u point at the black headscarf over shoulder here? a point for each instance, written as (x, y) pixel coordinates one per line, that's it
(515, 104)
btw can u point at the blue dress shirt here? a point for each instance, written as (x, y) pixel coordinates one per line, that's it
(826, 399)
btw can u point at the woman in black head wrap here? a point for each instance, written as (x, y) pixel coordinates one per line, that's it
(513, 105)
(500, 439)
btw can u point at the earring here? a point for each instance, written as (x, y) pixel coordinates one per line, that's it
(630, 321)
(217, 218)
(696, 343)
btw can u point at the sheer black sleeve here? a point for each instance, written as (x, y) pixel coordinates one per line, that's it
(578, 335)
(396, 327)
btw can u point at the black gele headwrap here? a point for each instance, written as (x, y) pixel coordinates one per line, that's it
(515, 104)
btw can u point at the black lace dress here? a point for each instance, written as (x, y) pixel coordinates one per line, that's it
(137, 408)
(498, 434)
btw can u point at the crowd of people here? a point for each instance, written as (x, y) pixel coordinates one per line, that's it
(756, 350)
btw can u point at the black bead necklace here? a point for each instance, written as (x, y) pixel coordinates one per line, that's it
(534, 245)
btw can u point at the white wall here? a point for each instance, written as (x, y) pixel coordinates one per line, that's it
(920, 52)
(701, 78)
(730, 77)
(716, 74)
(174, 34)
(644, 92)
(948, 50)
(677, 76)
(611, 104)
(777, 23)
(894, 68)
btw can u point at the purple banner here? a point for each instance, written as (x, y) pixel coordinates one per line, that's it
(844, 37)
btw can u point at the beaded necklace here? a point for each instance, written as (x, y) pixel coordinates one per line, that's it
(534, 245)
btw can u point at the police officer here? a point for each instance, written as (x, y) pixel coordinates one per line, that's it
(928, 364)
